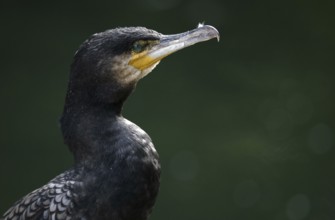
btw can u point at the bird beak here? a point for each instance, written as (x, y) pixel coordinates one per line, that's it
(169, 44)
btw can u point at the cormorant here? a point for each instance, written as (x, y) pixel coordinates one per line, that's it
(116, 171)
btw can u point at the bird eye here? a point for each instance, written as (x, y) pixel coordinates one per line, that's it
(139, 46)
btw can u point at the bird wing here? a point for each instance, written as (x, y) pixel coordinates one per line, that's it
(52, 201)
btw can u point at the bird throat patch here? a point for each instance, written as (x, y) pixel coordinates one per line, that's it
(142, 61)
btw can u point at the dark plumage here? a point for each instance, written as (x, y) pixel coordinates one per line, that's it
(116, 171)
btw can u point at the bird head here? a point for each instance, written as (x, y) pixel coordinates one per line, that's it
(108, 65)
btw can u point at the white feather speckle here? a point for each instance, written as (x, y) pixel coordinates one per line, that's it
(201, 24)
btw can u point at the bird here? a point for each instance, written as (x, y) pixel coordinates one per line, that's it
(116, 171)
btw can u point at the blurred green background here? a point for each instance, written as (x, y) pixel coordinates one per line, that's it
(244, 127)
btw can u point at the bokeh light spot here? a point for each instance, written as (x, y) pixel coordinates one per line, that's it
(321, 139)
(298, 207)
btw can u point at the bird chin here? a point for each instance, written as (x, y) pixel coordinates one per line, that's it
(148, 70)
(131, 75)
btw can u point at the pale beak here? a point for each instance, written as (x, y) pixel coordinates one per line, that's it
(169, 44)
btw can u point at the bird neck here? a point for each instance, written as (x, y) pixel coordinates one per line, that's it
(85, 127)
